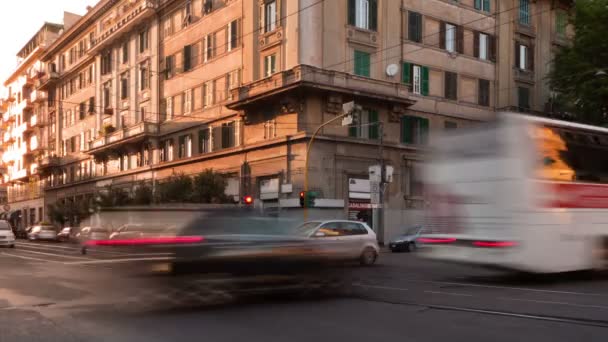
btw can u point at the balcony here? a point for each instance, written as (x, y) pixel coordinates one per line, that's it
(118, 139)
(526, 76)
(305, 76)
(38, 96)
(48, 162)
(19, 175)
(47, 80)
(136, 13)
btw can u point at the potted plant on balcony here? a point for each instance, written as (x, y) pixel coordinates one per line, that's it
(108, 129)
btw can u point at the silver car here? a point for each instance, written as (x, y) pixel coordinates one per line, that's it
(345, 239)
(7, 237)
(48, 233)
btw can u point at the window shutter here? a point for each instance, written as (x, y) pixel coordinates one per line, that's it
(373, 126)
(460, 39)
(442, 35)
(373, 15)
(406, 69)
(424, 131)
(187, 57)
(351, 12)
(352, 129)
(476, 44)
(425, 81)
(478, 4)
(516, 54)
(530, 56)
(492, 44)
(486, 5)
(406, 129)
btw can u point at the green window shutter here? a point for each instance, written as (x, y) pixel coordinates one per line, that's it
(351, 12)
(362, 63)
(424, 131)
(425, 81)
(478, 4)
(373, 15)
(486, 5)
(406, 129)
(373, 127)
(352, 129)
(405, 73)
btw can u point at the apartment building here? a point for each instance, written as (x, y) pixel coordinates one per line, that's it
(143, 90)
(23, 132)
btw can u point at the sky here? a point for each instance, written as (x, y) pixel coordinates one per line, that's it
(21, 19)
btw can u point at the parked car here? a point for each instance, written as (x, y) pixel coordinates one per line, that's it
(349, 239)
(7, 237)
(67, 234)
(406, 242)
(42, 232)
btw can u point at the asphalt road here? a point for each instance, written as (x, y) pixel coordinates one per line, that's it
(50, 292)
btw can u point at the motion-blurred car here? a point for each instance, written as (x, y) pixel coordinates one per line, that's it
(67, 234)
(351, 239)
(7, 237)
(138, 230)
(21, 232)
(38, 233)
(92, 233)
(406, 242)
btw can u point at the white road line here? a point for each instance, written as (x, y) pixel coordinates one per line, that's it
(39, 245)
(555, 303)
(30, 258)
(449, 293)
(380, 287)
(506, 287)
(115, 261)
(55, 255)
(89, 250)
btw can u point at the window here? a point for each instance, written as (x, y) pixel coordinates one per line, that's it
(125, 52)
(167, 27)
(203, 141)
(142, 114)
(124, 86)
(561, 22)
(208, 7)
(166, 151)
(106, 63)
(451, 86)
(484, 93)
(524, 12)
(270, 16)
(414, 25)
(233, 35)
(524, 56)
(482, 5)
(363, 14)
(143, 41)
(414, 130)
(187, 57)
(450, 37)
(365, 125)
(107, 94)
(82, 111)
(188, 101)
(169, 67)
(228, 134)
(448, 125)
(362, 63)
(483, 46)
(270, 129)
(185, 146)
(208, 94)
(270, 65)
(209, 46)
(169, 108)
(91, 105)
(523, 98)
(418, 78)
(144, 76)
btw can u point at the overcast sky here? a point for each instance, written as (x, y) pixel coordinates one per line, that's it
(21, 19)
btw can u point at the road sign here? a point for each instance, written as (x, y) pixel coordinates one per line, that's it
(375, 192)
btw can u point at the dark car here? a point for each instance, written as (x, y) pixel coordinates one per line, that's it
(21, 232)
(406, 242)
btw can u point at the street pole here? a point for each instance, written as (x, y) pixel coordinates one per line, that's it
(382, 183)
(308, 148)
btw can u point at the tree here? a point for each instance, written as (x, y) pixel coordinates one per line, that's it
(580, 71)
(143, 195)
(209, 187)
(177, 188)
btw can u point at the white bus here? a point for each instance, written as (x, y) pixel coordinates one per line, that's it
(522, 193)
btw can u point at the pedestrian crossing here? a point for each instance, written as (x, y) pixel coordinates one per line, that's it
(71, 254)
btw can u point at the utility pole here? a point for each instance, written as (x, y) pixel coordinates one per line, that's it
(382, 183)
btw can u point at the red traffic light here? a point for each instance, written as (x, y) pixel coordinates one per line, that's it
(302, 194)
(248, 200)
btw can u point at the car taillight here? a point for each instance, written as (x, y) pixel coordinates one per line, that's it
(494, 244)
(436, 240)
(173, 240)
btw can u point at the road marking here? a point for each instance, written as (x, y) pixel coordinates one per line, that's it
(380, 287)
(115, 261)
(555, 303)
(30, 258)
(506, 287)
(55, 255)
(449, 293)
(39, 245)
(89, 250)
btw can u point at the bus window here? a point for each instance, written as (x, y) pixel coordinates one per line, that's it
(569, 157)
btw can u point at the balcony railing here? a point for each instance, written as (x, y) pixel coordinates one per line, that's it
(142, 129)
(48, 162)
(47, 80)
(38, 96)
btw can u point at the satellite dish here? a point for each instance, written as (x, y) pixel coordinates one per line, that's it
(392, 69)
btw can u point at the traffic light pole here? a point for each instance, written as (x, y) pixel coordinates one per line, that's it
(308, 148)
(382, 183)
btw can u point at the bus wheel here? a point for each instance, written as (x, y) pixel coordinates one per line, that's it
(600, 254)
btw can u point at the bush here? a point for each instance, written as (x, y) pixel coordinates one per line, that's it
(177, 188)
(143, 195)
(209, 187)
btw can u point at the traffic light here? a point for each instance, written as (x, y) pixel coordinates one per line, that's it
(307, 199)
(302, 199)
(248, 200)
